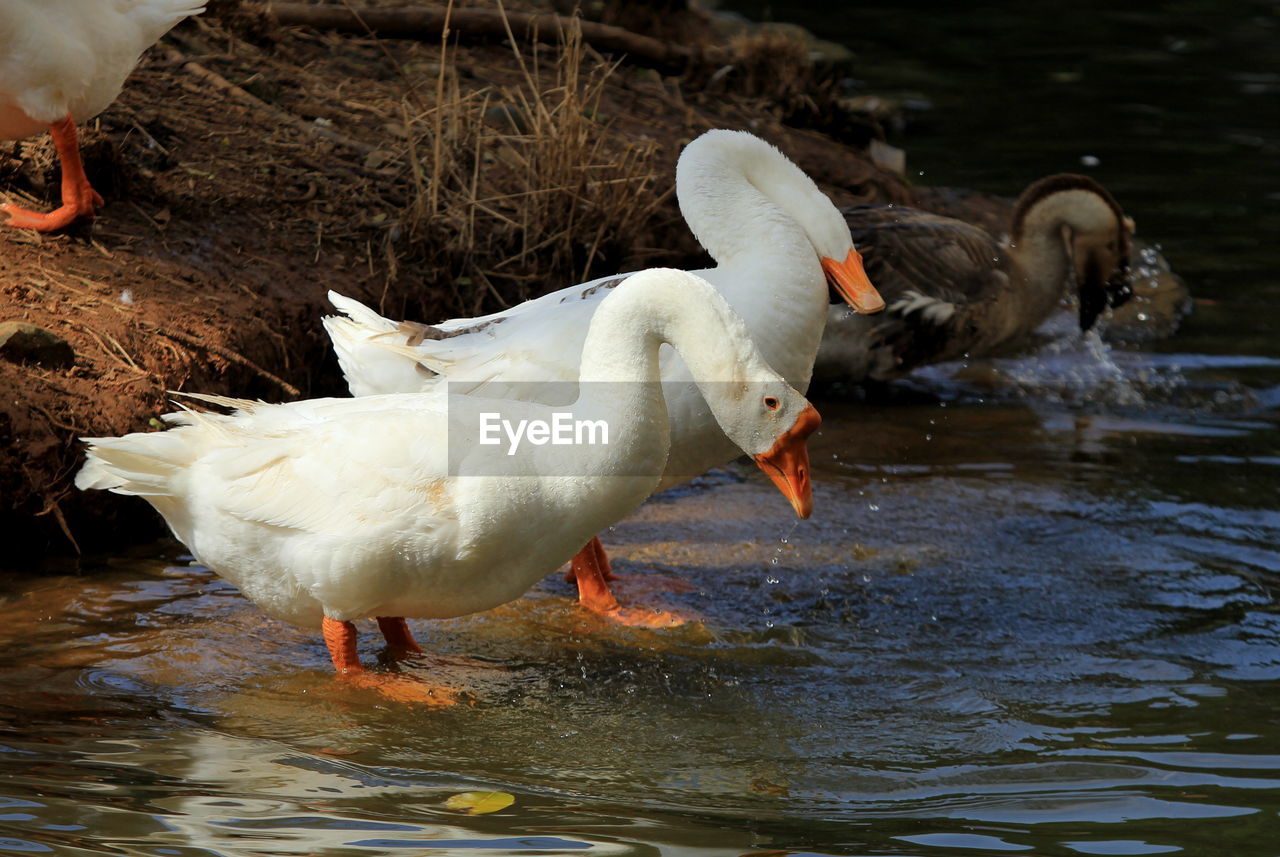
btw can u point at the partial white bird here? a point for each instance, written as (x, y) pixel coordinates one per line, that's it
(776, 239)
(331, 510)
(63, 62)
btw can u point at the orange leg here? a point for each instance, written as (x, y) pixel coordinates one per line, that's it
(601, 559)
(399, 637)
(78, 199)
(340, 637)
(590, 568)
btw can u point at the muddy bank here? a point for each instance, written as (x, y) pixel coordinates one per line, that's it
(249, 167)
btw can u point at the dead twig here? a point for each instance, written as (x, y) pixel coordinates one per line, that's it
(100, 336)
(223, 85)
(424, 22)
(57, 423)
(227, 353)
(51, 506)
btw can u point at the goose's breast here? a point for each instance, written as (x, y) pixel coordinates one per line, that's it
(15, 124)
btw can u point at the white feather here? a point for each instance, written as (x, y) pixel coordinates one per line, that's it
(351, 508)
(763, 220)
(931, 309)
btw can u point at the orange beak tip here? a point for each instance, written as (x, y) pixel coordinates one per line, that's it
(850, 280)
(787, 462)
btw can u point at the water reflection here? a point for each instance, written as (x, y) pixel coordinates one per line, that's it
(1053, 625)
(1035, 611)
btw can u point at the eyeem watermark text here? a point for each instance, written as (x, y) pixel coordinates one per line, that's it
(561, 430)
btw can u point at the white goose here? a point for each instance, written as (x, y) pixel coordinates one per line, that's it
(776, 239)
(62, 62)
(330, 510)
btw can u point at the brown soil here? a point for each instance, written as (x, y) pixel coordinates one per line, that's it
(231, 211)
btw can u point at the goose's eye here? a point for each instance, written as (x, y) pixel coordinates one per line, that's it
(771, 403)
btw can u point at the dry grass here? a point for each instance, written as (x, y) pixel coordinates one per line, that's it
(774, 65)
(520, 189)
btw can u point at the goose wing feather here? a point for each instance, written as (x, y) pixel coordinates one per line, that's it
(911, 252)
(537, 341)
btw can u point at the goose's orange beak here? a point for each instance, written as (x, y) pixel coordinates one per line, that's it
(850, 280)
(787, 462)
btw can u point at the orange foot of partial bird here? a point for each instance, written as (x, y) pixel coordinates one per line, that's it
(340, 637)
(648, 617)
(79, 200)
(590, 568)
(399, 638)
(403, 689)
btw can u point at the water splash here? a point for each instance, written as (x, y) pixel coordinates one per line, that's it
(1079, 369)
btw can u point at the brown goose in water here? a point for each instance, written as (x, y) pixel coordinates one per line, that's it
(952, 289)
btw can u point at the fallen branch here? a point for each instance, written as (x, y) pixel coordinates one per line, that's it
(227, 354)
(283, 116)
(423, 23)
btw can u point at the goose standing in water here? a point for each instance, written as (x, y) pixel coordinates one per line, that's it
(63, 62)
(327, 511)
(954, 290)
(777, 240)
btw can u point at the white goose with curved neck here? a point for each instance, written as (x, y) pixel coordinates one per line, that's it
(761, 218)
(351, 508)
(766, 224)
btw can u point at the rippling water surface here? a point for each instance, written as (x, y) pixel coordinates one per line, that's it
(1035, 612)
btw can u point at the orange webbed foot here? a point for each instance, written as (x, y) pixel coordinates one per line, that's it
(79, 199)
(340, 637)
(591, 570)
(646, 617)
(403, 689)
(54, 221)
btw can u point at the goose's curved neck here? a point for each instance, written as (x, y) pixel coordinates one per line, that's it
(620, 376)
(657, 307)
(741, 198)
(1040, 241)
(767, 225)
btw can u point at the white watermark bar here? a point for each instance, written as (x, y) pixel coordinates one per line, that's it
(561, 430)
(550, 429)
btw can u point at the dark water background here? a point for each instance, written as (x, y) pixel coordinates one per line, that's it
(1034, 613)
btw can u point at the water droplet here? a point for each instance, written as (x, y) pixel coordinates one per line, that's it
(772, 580)
(873, 507)
(774, 561)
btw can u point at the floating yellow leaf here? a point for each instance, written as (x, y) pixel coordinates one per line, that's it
(478, 803)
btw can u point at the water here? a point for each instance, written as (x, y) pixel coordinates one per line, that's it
(1035, 611)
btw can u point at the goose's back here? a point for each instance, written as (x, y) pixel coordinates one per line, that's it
(941, 279)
